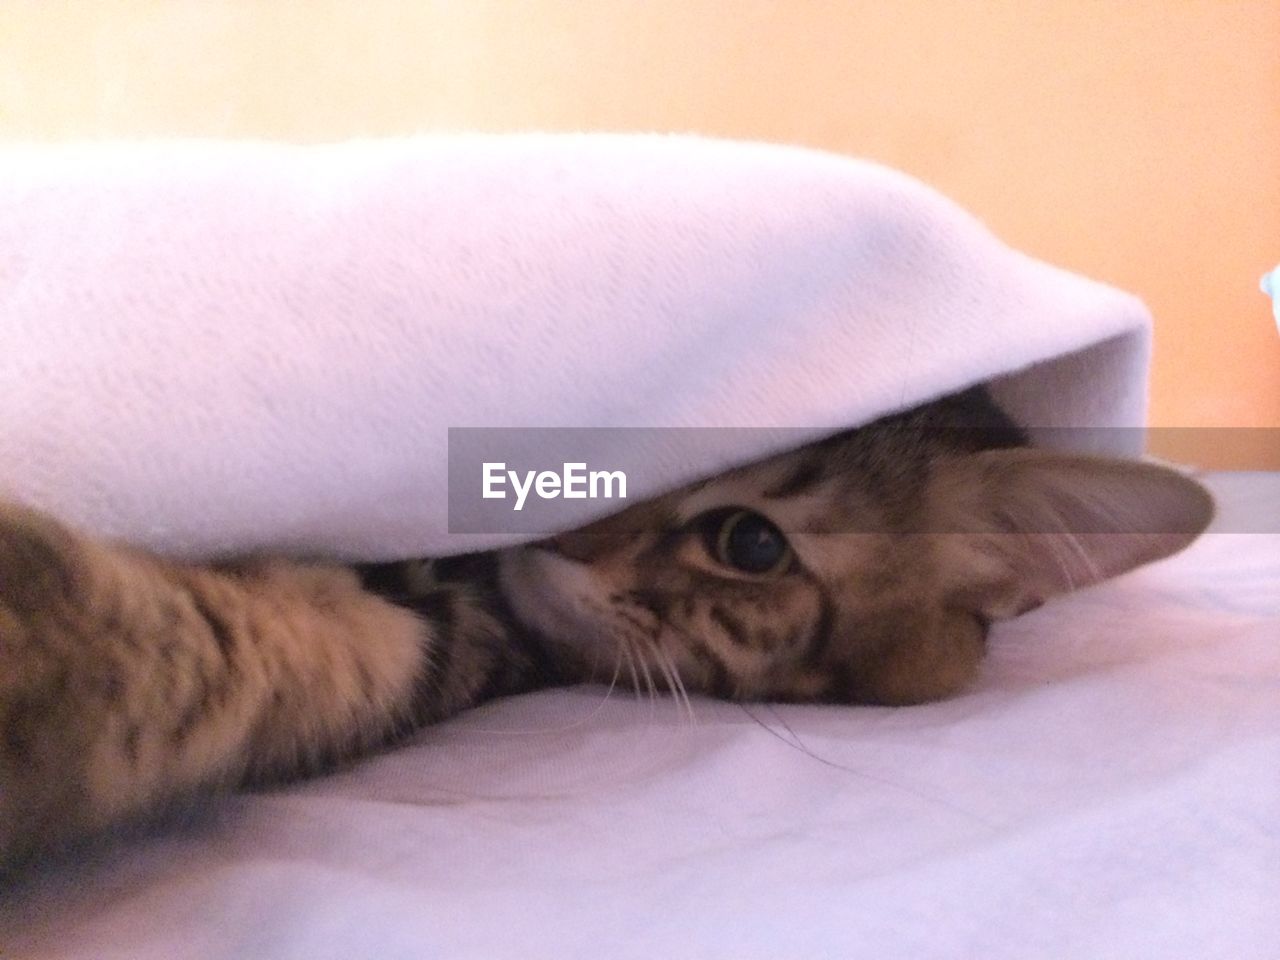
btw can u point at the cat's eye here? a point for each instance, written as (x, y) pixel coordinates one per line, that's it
(746, 541)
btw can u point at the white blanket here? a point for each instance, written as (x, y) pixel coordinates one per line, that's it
(1110, 788)
(208, 348)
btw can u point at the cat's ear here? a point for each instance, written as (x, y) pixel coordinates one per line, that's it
(1037, 523)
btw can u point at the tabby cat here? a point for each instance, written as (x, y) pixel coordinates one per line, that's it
(864, 568)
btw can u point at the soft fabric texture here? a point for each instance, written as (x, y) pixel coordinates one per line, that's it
(211, 348)
(1110, 788)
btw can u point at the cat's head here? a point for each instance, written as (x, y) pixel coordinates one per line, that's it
(862, 569)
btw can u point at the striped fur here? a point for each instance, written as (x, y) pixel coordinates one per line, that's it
(128, 682)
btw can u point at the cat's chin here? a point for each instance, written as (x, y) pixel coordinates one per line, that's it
(554, 595)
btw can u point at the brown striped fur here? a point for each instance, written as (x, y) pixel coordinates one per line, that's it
(128, 682)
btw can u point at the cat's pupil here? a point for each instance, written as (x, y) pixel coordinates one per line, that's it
(750, 543)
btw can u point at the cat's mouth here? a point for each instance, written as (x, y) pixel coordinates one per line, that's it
(551, 592)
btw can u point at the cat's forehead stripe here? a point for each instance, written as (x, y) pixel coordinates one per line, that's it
(806, 470)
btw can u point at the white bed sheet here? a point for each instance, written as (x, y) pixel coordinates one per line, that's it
(1111, 788)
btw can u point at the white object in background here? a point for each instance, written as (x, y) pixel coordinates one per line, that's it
(1271, 287)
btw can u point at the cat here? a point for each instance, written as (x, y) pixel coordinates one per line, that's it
(865, 568)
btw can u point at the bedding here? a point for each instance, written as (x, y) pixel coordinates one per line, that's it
(219, 347)
(1109, 788)
(208, 348)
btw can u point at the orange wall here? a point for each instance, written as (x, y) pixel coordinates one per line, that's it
(1137, 141)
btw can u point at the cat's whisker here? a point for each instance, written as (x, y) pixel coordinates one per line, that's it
(568, 727)
(638, 668)
(649, 683)
(625, 651)
(663, 669)
(794, 741)
(669, 673)
(663, 672)
(678, 686)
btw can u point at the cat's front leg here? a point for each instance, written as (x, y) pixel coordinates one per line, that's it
(128, 682)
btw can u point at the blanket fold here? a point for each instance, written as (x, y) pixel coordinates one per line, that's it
(208, 348)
